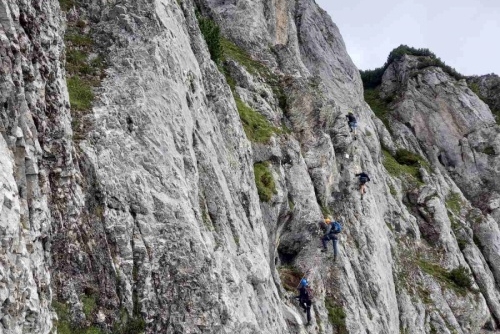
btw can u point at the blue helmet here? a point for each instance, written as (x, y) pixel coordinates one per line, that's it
(303, 282)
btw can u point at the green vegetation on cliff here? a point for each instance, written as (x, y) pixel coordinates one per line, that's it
(290, 277)
(84, 70)
(373, 78)
(264, 181)
(257, 127)
(402, 169)
(458, 279)
(336, 316)
(379, 106)
(211, 33)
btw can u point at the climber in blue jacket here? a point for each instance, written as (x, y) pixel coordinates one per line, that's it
(305, 298)
(332, 229)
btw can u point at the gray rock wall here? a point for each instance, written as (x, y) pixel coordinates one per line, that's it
(35, 163)
(150, 221)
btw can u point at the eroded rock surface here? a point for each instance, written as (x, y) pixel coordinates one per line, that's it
(150, 220)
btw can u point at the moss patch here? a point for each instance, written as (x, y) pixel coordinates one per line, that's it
(290, 277)
(336, 316)
(204, 212)
(379, 106)
(475, 88)
(254, 67)
(66, 4)
(457, 279)
(129, 325)
(256, 126)
(291, 205)
(490, 150)
(64, 325)
(408, 158)
(325, 210)
(454, 203)
(78, 39)
(392, 190)
(211, 33)
(396, 169)
(264, 181)
(63, 322)
(84, 69)
(234, 52)
(89, 305)
(424, 295)
(80, 93)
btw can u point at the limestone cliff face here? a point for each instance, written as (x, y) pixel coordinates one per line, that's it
(488, 88)
(35, 159)
(143, 214)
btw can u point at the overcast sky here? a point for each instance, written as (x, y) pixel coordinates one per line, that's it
(465, 34)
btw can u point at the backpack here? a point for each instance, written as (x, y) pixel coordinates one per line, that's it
(363, 179)
(336, 227)
(310, 293)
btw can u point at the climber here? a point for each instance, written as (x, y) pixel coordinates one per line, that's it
(363, 178)
(332, 229)
(353, 123)
(305, 298)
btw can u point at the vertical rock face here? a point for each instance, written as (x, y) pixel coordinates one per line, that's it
(35, 158)
(434, 114)
(488, 88)
(181, 217)
(172, 213)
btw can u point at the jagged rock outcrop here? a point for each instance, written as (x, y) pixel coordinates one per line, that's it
(487, 87)
(434, 115)
(163, 209)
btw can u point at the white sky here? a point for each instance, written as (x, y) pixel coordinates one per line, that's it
(465, 34)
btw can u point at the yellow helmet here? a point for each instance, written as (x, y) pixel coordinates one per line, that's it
(328, 220)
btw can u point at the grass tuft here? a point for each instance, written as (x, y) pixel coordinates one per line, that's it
(454, 203)
(80, 93)
(325, 210)
(400, 170)
(408, 158)
(84, 70)
(234, 52)
(457, 279)
(490, 150)
(264, 181)
(336, 316)
(211, 33)
(393, 190)
(66, 4)
(64, 325)
(254, 67)
(256, 126)
(77, 39)
(290, 277)
(89, 305)
(379, 106)
(129, 325)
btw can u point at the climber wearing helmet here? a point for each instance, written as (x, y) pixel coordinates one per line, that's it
(305, 298)
(363, 178)
(332, 229)
(353, 123)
